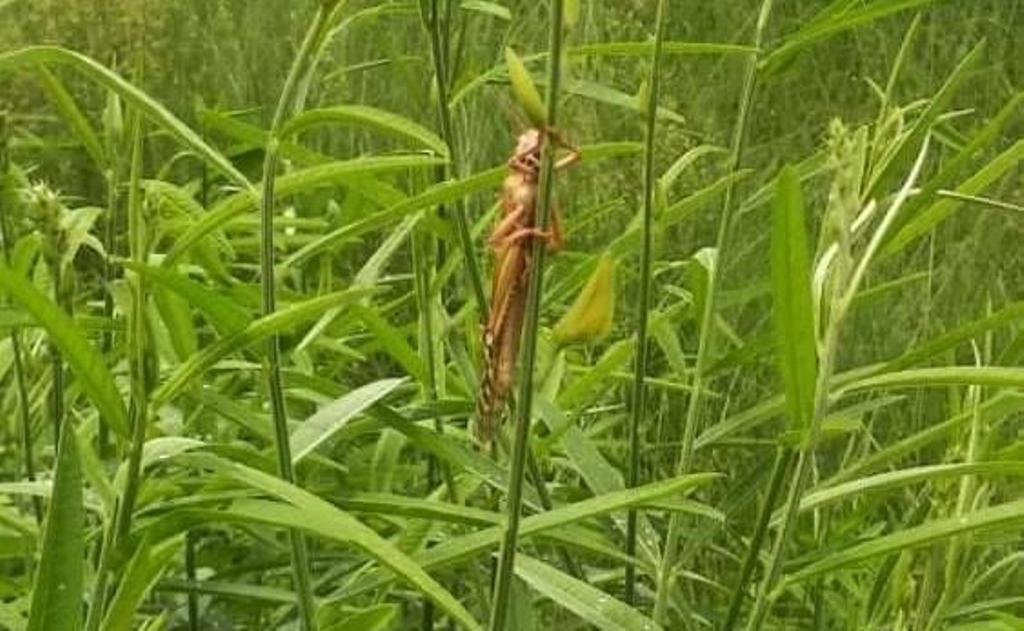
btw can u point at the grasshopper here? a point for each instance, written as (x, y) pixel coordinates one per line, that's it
(510, 244)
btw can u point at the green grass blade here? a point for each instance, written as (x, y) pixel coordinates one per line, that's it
(792, 302)
(259, 330)
(459, 549)
(930, 217)
(644, 49)
(376, 618)
(388, 505)
(993, 376)
(372, 118)
(68, 108)
(312, 514)
(144, 569)
(589, 603)
(831, 22)
(895, 161)
(321, 426)
(57, 589)
(392, 341)
(435, 195)
(1004, 516)
(88, 365)
(151, 109)
(347, 173)
(224, 314)
(897, 479)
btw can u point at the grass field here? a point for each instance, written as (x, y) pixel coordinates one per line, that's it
(270, 271)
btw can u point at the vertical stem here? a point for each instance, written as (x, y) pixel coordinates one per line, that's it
(56, 362)
(783, 458)
(424, 249)
(955, 548)
(190, 574)
(110, 251)
(707, 321)
(799, 478)
(192, 538)
(6, 236)
(137, 344)
(520, 446)
(137, 332)
(268, 305)
(537, 477)
(646, 256)
(439, 46)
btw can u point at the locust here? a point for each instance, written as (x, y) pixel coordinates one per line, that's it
(510, 244)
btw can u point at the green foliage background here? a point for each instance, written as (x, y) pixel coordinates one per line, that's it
(916, 377)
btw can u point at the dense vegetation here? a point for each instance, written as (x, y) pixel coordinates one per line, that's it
(770, 380)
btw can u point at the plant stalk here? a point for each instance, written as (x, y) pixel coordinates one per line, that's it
(139, 389)
(783, 459)
(268, 305)
(646, 262)
(18, 365)
(439, 47)
(707, 321)
(520, 446)
(799, 478)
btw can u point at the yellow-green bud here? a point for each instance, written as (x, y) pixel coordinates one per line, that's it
(590, 317)
(570, 14)
(643, 95)
(525, 90)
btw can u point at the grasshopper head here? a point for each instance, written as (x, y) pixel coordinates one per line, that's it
(529, 142)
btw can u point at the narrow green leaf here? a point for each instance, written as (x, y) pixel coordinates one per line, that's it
(487, 8)
(88, 365)
(897, 479)
(143, 571)
(310, 513)
(832, 22)
(57, 589)
(333, 617)
(589, 603)
(995, 376)
(644, 49)
(1004, 516)
(792, 302)
(367, 117)
(150, 108)
(258, 330)
(992, 410)
(930, 217)
(321, 426)
(455, 550)
(896, 158)
(351, 174)
(389, 505)
(226, 315)
(66, 105)
(442, 193)
(392, 341)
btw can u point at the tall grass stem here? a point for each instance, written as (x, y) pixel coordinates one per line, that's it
(302, 64)
(439, 47)
(520, 445)
(17, 358)
(665, 570)
(137, 376)
(646, 261)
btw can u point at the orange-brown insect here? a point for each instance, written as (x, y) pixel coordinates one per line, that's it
(510, 246)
